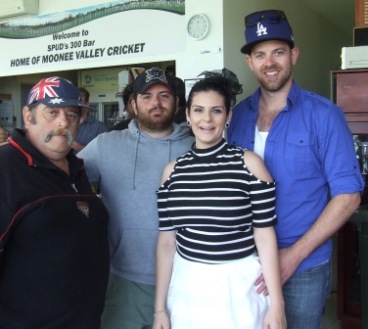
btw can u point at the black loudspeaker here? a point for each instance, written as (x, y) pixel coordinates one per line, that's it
(361, 36)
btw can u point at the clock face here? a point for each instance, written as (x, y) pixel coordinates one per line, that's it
(198, 26)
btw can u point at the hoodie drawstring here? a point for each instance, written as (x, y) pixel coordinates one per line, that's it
(135, 159)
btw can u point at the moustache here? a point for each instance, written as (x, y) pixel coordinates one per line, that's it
(60, 132)
(272, 67)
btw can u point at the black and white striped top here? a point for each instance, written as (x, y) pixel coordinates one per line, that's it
(213, 200)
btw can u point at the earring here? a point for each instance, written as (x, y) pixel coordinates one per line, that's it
(189, 123)
(227, 125)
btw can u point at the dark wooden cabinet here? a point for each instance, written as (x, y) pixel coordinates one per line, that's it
(348, 278)
(350, 92)
(353, 271)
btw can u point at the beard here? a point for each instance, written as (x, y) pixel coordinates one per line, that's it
(152, 123)
(276, 84)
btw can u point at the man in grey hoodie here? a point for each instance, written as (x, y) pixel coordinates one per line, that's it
(128, 165)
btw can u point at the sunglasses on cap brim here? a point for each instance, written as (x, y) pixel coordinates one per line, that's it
(270, 16)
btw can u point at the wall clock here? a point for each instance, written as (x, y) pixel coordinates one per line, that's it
(198, 26)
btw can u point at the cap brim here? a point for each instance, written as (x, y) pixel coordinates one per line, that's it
(246, 49)
(62, 102)
(149, 84)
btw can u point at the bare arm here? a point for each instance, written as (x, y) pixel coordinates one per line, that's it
(333, 217)
(164, 258)
(256, 166)
(265, 239)
(166, 246)
(167, 171)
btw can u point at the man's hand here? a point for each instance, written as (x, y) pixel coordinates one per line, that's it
(76, 146)
(288, 264)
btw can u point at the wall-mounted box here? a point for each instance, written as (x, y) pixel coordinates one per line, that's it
(354, 57)
(10, 8)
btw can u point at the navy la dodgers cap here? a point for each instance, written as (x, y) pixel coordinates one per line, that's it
(264, 26)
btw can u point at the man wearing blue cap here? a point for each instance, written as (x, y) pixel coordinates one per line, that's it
(54, 258)
(307, 146)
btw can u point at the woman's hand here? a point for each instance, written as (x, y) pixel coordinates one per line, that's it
(161, 321)
(275, 318)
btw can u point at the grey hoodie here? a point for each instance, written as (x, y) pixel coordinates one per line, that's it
(129, 164)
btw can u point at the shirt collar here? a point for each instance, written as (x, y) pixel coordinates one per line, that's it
(291, 99)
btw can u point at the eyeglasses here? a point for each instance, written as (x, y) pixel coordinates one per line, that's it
(271, 16)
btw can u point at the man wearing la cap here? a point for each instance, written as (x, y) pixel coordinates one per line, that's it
(128, 165)
(308, 149)
(54, 257)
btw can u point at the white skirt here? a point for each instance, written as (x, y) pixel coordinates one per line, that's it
(216, 296)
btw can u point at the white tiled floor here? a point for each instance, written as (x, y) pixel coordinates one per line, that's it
(330, 320)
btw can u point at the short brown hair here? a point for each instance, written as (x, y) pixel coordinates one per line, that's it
(84, 95)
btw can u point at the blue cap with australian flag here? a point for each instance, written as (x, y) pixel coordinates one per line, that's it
(55, 92)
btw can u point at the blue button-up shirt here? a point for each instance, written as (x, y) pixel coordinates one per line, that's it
(89, 129)
(309, 152)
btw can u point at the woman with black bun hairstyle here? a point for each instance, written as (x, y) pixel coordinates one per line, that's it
(217, 211)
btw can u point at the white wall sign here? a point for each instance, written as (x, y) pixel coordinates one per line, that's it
(109, 34)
